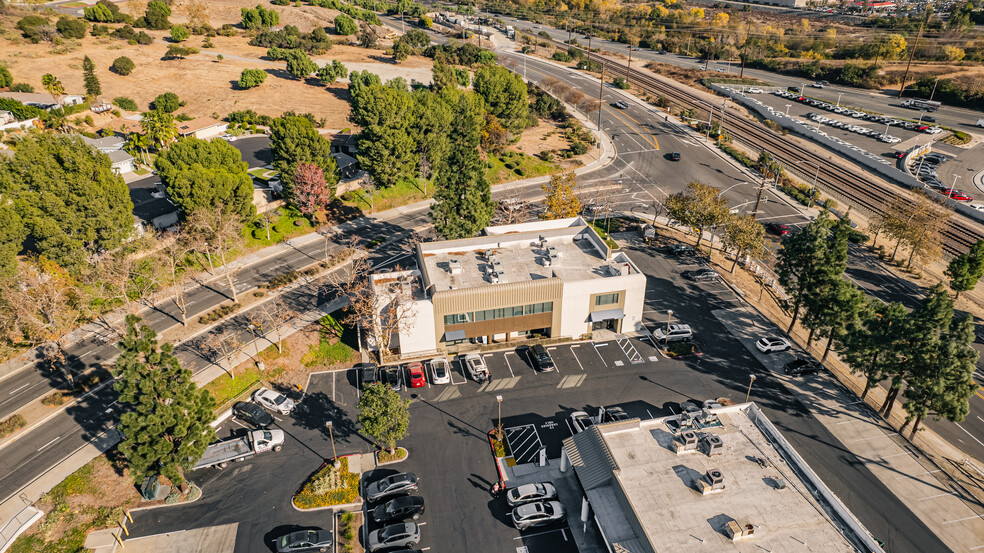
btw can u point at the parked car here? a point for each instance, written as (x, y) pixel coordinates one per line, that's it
(580, 421)
(416, 372)
(249, 412)
(396, 484)
(614, 414)
(394, 535)
(440, 374)
(770, 344)
(401, 508)
(537, 491)
(540, 358)
(701, 275)
(900, 154)
(674, 156)
(540, 513)
(273, 400)
(368, 374)
(754, 90)
(678, 249)
(393, 378)
(818, 85)
(475, 365)
(778, 229)
(978, 207)
(673, 333)
(802, 366)
(305, 540)
(958, 195)
(228, 137)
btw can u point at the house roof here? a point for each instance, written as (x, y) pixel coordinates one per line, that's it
(114, 141)
(119, 156)
(190, 127)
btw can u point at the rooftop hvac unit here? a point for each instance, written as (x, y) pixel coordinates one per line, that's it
(716, 478)
(615, 270)
(454, 267)
(712, 445)
(737, 531)
(494, 278)
(688, 442)
(546, 261)
(555, 253)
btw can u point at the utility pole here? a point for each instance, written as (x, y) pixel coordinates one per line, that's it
(758, 199)
(724, 104)
(933, 93)
(911, 54)
(710, 118)
(743, 45)
(601, 93)
(628, 66)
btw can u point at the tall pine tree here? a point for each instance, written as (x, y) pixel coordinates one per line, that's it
(966, 269)
(810, 260)
(92, 86)
(166, 417)
(463, 198)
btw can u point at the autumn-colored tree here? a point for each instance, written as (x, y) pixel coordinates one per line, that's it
(494, 135)
(310, 193)
(561, 201)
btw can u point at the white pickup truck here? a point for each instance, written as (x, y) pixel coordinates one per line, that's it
(224, 452)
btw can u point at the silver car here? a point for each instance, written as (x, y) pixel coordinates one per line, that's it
(394, 535)
(540, 513)
(397, 484)
(537, 491)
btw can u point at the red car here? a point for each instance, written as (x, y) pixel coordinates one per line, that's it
(778, 229)
(956, 195)
(416, 370)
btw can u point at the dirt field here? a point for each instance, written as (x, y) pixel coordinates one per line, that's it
(204, 82)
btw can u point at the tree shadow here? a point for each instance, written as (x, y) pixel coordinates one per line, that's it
(317, 409)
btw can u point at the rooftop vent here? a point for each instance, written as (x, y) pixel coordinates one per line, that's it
(711, 444)
(687, 443)
(494, 278)
(555, 253)
(713, 481)
(454, 267)
(737, 531)
(616, 270)
(546, 261)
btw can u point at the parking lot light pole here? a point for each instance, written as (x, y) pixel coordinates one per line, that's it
(669, 317)
(953, 186)
(839, 98)
(813, 192)
(334, 455)
(498, 399)
(787, 109)
(749, 392)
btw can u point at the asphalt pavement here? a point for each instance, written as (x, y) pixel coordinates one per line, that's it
(449, 450)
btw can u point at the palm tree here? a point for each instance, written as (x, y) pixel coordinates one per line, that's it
(159, 127)
(53, 86)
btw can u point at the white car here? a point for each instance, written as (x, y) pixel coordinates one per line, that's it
(476, 367)
(439, 371)
(754, 90)
(228, 137)
(275, 401)
(978, 207)
(675, 333)
(771, 344)
(580, 421)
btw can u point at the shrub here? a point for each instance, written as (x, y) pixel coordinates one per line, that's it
(345, 25)
(6, 79)
(283, 280)
(21, 87)
(53, 399)
(338, 487)
(69, 27)
(12, 424)
(179, 33)
(100, 30)
(167, 102)
(578, 148)
(218, 313)
(620, 83)
(226, 30)
(175, 52)
(123, 66)
(857, 237)
(250, 78)
(561, 56)
(123, 102)
(280, 2)
(35, 28)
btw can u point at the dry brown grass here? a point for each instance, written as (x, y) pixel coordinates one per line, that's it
(205, 83)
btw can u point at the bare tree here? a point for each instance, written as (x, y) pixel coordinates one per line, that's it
(221, 346)
(278, 315)
(386, 302)
(328, 233)
(222, 232)
(171, 254)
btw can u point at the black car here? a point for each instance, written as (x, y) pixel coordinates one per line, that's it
(304, 540)
(801, 367)
(540, 358)
(368, 374)
(393, 377)
(678, 249)
(247, 411)
(674, 156)
(615, 414)
(401, 508)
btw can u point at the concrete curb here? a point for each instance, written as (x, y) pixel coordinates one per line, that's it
(152, 507)
(375, 456)
(340, 507)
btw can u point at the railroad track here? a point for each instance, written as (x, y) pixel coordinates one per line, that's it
(872, 195)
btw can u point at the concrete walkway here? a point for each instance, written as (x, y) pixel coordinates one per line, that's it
(910, 476)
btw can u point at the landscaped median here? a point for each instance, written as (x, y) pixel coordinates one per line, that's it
(329, 487)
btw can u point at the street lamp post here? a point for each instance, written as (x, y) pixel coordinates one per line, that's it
(816, 176)
(498, 428)
(334, 455)
(839, 99)
(749, 392)
(628, 66)
(787, 109)
(669, 317)
(953, 187)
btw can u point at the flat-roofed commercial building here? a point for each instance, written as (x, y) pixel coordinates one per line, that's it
(546, 279)
(714, 480)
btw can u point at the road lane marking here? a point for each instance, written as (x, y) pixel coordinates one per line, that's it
(969, 434)
(49, 443)
(19, 389)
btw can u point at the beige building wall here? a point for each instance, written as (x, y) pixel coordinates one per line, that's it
(495, 296)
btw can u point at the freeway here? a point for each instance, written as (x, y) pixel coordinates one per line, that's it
(880, 101)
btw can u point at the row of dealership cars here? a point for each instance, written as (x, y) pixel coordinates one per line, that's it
(925, 169)
(863, 131)
(873, 117)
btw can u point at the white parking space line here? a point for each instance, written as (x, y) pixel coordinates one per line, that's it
(575, 357)
(508, 364)
(530, 361)
(237, 423)
(524, 536)
(596, 346)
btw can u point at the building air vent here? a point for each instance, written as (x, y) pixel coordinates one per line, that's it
(737, 531)
(454, 267)
(494, 279)
(712, 481)
(615, 270)
(555, 253)
(687, 443)
(546, 261)
(711, 444)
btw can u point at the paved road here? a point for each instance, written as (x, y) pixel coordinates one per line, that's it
(450, 455)
(872, 100)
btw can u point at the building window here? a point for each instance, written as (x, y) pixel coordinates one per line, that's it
(499, 313)
(458, 319)
(535, 308)
(606, 299)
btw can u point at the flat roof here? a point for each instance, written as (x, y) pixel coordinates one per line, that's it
(637, 460)
(568, 249)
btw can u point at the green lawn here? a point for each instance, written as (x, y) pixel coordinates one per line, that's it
(263, 174)
(225, 388)
(335, 345)
(515, 166)
(402, 193)
(287, 223)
